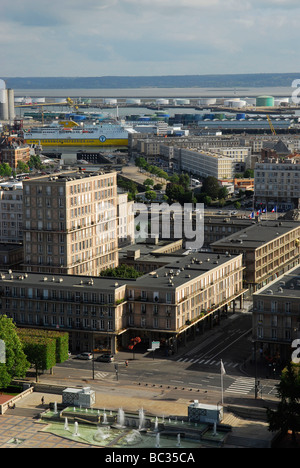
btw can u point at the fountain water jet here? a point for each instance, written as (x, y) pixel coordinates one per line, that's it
(76, 433)
(141, 419)
(66, 424)
(121, 418)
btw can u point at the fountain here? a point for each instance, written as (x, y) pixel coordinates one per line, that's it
(141, 419)
(109, 428)
(121, 418)
(66, 424)
(76, 433)
(102, 434)
(104, 421)
(133, 437)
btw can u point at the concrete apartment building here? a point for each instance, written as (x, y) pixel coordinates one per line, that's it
(13, 150)
(70, 223)
(11, 212)
(276, 318)
(125, 220)
(219, 227)
(175, 302)
(269, 249)
(277, 183)
(210, 163)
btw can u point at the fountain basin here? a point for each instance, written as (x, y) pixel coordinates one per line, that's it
(122, 429)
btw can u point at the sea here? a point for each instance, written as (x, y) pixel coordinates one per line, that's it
(144, 93)
(147, 97)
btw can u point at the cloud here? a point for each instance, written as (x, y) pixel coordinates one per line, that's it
(134, 37)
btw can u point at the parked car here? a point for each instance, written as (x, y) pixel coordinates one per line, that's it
(105, 358)
(84, 356)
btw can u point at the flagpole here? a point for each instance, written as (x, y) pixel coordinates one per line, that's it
(222, 386)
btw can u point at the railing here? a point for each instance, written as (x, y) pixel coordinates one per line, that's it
(5, 406)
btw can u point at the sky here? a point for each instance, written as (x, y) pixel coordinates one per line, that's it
(148, 37)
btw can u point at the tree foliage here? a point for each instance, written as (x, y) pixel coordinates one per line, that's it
(16, 363)
(287, 415)
(44, 348)
(122, 271)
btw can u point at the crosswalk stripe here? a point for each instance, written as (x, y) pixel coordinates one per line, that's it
(207, 362)
(242, 386)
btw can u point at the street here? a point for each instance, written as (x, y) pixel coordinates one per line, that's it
(195, 369)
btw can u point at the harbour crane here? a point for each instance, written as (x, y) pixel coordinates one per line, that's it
(271, 126)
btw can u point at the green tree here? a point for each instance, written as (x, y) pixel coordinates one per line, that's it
(150, 195)
(211, 187)
(287, 415)
(22, 167)
(44, 348)
(141, 163)
(223, 193)
(35, 162)
(122, 271)
(249, 174)
(16, 363)
(5, 170)
(148, 182)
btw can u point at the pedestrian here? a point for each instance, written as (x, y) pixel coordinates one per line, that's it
(126, 363)
(43, 399)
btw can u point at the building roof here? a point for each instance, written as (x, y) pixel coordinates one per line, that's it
(257, 235)
(180, 270)
(49, 280)
(287, 285)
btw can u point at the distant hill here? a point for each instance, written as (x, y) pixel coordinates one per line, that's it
(172, 81)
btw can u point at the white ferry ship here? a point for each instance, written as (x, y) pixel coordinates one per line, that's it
(69, 133)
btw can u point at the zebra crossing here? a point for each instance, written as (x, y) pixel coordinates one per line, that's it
(102, 375)
(241, 386)
(206, 361)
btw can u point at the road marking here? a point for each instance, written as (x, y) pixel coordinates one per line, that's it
(241, 386)
(101, 375)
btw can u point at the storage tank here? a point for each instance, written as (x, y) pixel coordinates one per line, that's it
(110, 101)
(265, 101)
(162, 101)
(40, 100)
(11, 104)
(207, 101)
(133, 101)
(237, 103)
(3, 104)
(181, 102)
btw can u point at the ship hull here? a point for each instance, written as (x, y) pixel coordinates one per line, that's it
(77, 142)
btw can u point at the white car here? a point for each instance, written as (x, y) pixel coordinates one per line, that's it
(85, 356)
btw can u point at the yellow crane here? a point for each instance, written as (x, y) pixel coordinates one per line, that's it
(71, 103)
(271, 125)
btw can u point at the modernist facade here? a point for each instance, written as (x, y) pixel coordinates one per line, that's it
(277, 184)
(11, 212)
(269, 248)
(177, 300)
(70, 223)
(276, 323)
